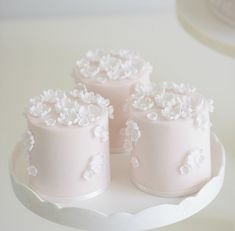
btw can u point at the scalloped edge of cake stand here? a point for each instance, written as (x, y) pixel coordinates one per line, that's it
(169, 211)
(202, 23)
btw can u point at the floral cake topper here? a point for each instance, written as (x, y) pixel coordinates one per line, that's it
(78, 107)
(113, 65)
(171, 101)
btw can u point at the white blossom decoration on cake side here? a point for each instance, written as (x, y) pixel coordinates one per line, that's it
(131, 135)
(32, 170)
(28, 140)
(134, 162)
(102, 133)
(95, 166)
(194, 159)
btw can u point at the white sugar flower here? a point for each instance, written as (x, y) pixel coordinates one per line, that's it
(95, 166)
(202, 121)
(171, 113)
(88, 114)
(172, 101)
(112, 65)
(28, 140)
(186, 107)
(179, 88)
(152, 115)
(78, 91)
(132, 131)
(83, 122)
(210, 105)
(39, 109)
(88, 97)
(166, 100)
(68, 118)
(49, 120)
(77, 107)
(110, 112)
(51, 96)
(94, 112)
(194, 159)
(134, 162)
(131, 134)
(36, 100)
(101, 101)
(65, 104)
(97, 163)
(102, 133)
(147, 89)
(143, 104)
(32, 170)
(87, 174)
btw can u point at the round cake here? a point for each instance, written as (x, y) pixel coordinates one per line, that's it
(224, 10)
(67, 143)
(113, 74)
(168, 136)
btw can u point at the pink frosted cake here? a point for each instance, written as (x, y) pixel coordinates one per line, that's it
(67, 143)
(113, 74)
(168, 135)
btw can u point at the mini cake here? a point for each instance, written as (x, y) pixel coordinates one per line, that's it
(113, 74)
(67, 143)
(168, 136)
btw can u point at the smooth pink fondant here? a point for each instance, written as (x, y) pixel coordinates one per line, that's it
(118, 92)
(162, 149)
(61, 155)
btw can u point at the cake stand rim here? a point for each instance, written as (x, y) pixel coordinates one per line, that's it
(201, 32)
(216, 180)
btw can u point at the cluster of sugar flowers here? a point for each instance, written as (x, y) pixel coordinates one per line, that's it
(131, 134)
(28, 142)
(194, 159)
(102, 133)
(76, 107)
(172, 101)
(95, 166)
(102, 65)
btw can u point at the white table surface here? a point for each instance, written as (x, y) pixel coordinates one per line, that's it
(40, 53)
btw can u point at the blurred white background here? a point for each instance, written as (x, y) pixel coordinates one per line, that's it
(39, 43)
(51, 8)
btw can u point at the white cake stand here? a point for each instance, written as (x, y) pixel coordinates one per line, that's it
(122, 206)
(198, 19)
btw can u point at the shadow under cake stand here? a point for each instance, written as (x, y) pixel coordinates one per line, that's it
(122, 206)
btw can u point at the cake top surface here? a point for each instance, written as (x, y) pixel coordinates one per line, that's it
(171, 101)
(78, 107)
(113, 65)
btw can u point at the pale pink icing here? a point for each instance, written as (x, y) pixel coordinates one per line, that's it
(162, 149)
(61, 155)
(63, 159)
